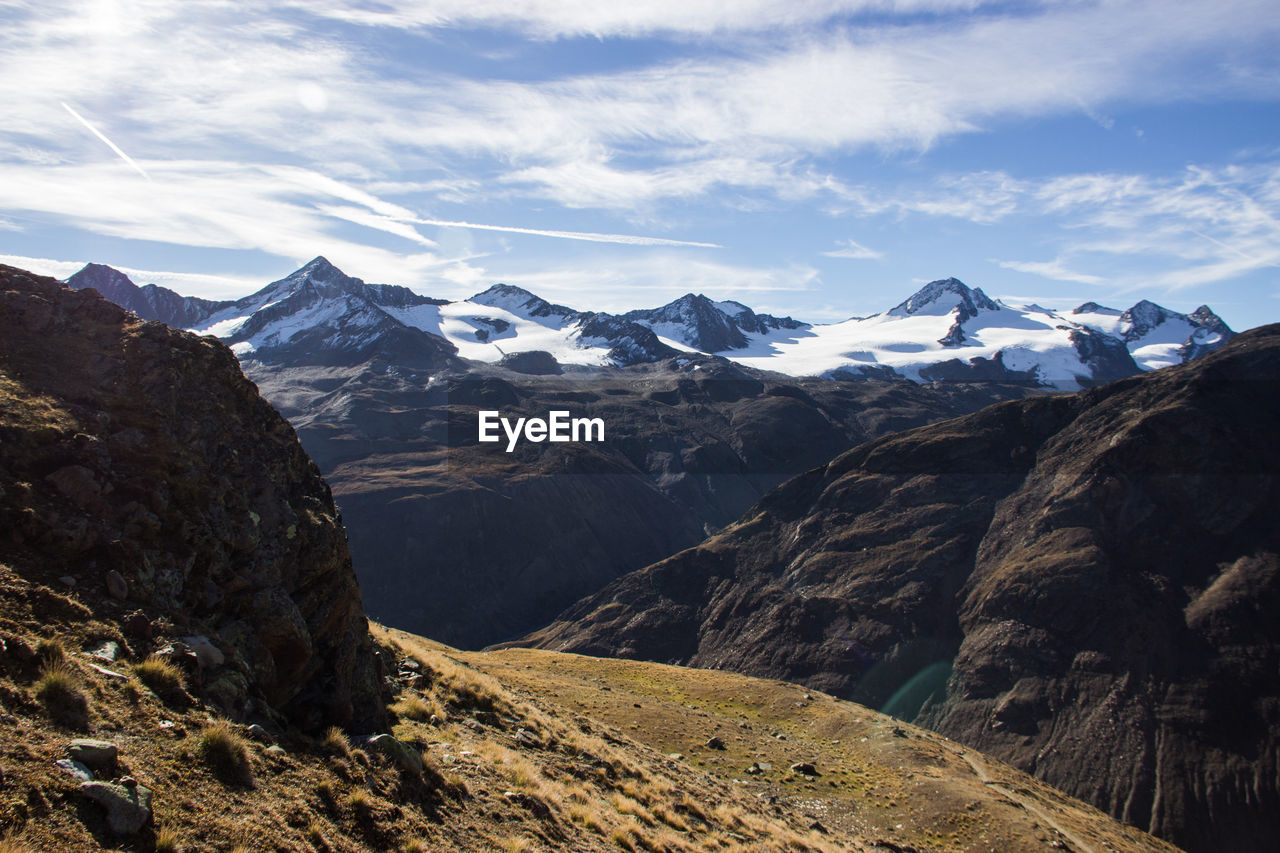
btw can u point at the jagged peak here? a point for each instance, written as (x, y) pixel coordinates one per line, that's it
(318, 264)
(501, 289)
(1146, 314)
(99, 272)
(1094, 308)
(946, 293)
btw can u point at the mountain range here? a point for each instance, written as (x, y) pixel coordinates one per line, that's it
(944, 331)
(1035, 578)
(184, 664)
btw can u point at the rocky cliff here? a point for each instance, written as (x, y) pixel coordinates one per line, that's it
(1086, 586)
(139, 465)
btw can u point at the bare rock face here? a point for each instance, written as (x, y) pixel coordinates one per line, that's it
(1085, 586)
(133, 452)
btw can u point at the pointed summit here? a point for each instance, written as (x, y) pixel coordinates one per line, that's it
(943, 296)
(517, 300)
(100, 276)
(1095, 308)
(693, 320)
(1143, 318)
(150, 302)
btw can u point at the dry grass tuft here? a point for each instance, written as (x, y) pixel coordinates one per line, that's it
(161, 675)
(13, 845)
(226, 753)
(517, 844)
(360, 801)
(58, 690)
(415, 707)
(335, 743)
(167, 841)
(51, 651)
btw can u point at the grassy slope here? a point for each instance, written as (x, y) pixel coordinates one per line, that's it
(590, 773)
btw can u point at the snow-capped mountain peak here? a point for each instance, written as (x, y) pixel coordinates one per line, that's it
(519, 301)
(943, 297)
(1095, 308)
(1143, 318)
(946, 330)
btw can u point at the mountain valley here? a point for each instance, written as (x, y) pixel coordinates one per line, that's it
(1036, 580)
(184, 664)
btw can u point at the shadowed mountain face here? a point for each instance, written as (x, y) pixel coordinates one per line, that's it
(139, 459)
(150, 302)
(476, 545)
(1086, 586)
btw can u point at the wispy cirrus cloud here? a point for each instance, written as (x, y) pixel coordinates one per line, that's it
(1199, 226)
(1054, 269)
(557, 19)
(854, 251)
(272, 128)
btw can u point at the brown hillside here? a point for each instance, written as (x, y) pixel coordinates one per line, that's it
(1084, 586)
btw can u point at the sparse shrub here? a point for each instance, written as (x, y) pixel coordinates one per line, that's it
(167, 841)
(627, 806)
(689, 806)
(670, 818)
(517, 844)
(226, 753)
(325, 791)
(414, 708)
(627, 836)
(335, 743)
(360, 801)
(586, 818)
(58, 690)
(51, 651)
(160, 675)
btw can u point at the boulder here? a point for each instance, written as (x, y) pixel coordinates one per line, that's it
(100, 755)
(128, 807)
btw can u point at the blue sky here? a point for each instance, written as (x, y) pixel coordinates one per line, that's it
(819, 159)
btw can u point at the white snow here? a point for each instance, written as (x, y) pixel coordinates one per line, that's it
(222, 328)
(459, 321)
(1029, 338)
(909, 342)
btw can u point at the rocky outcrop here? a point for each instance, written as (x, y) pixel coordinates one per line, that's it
(131, 448)
(1085, 586)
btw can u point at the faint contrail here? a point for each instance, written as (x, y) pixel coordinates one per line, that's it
(116, 148)
(589, 236)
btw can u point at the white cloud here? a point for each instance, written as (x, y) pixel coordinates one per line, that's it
(855, 251)
(199, 79)
(1054, 269)
(556, 18)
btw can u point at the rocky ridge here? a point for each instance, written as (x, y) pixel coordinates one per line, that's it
(139, 464)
